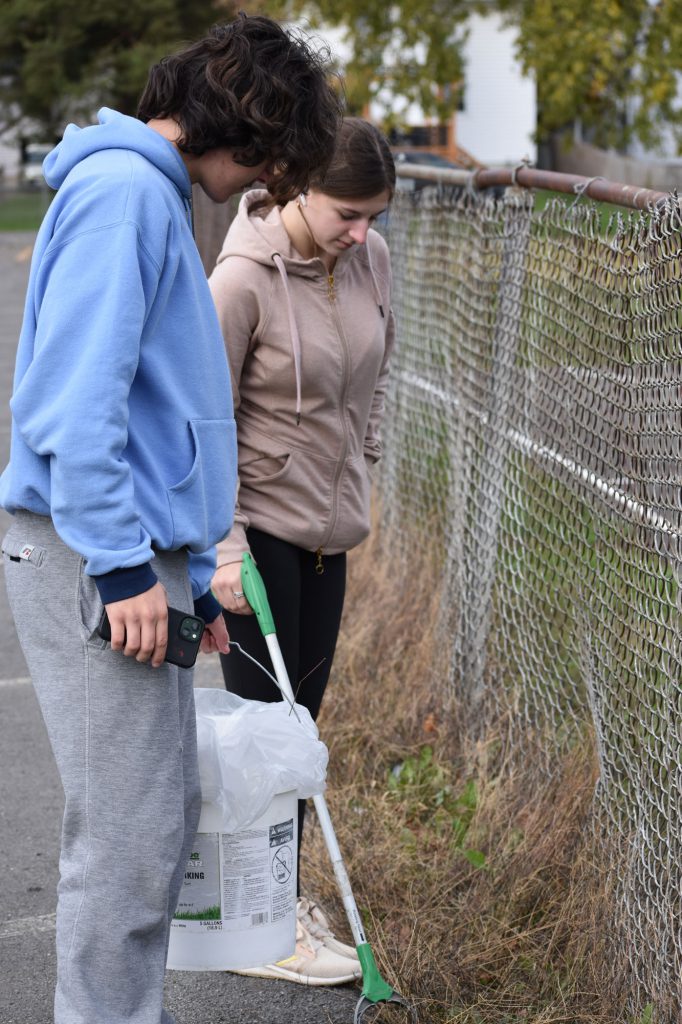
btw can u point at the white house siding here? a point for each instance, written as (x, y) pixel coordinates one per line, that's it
(500, 107)
(498, 120)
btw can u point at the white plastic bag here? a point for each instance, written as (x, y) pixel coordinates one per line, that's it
(249, 751)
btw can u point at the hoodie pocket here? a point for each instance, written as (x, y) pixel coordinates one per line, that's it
(352, 520)
(262, 461)
(90, 610)
(295, 501)
(202, 505)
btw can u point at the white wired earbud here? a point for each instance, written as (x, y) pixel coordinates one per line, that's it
(301, 203)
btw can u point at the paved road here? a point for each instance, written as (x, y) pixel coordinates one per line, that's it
(31, 807)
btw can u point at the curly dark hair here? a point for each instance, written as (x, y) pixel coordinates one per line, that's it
(256, 89)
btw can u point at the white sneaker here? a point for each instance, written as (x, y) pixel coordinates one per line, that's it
(311, 964)
(316, 924)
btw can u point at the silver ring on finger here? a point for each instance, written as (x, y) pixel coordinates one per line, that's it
(237, 593)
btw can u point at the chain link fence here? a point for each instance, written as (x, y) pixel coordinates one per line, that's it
(534, 435)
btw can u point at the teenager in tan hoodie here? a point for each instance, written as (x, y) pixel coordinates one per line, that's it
(303, 297)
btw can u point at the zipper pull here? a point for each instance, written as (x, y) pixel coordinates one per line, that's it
(319, 567)
(330, 283)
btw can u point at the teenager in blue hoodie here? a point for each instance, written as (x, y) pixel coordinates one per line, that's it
(122, 478)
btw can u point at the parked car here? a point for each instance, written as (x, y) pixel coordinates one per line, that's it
(32, 165)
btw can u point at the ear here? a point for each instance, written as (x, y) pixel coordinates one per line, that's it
(302, 199)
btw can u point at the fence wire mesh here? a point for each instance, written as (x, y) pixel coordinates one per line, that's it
(534, 430)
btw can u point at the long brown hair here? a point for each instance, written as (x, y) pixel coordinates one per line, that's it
(361, 165)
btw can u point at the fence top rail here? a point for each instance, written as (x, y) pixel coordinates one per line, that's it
(599, 188)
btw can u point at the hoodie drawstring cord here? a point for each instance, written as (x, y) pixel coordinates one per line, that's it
(293, 328)
(293, 332)
(377, 293)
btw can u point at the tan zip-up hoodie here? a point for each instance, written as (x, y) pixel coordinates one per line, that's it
(309, 357)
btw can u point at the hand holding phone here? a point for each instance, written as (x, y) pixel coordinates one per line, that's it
(184, 636)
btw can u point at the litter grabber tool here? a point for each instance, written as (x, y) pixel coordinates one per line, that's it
(374, 989)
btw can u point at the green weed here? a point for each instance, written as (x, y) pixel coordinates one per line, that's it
(422, 787)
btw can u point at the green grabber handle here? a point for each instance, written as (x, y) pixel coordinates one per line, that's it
(254, 592)
(374, 988)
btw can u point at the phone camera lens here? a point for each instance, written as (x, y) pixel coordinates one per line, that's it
(190, 629)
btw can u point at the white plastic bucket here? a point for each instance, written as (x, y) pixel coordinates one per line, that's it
(237, 907)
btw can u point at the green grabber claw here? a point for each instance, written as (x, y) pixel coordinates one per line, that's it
(374, 988)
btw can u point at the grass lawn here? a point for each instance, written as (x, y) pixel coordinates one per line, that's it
(23, 211)
(606, 210)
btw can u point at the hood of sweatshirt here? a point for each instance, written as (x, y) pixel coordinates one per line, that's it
(259, 234)
(115, 131)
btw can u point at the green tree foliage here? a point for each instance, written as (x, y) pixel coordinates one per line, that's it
(612, 64)
(402, 52)
(61, 59)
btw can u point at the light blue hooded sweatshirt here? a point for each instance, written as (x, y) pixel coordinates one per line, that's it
(122, 421)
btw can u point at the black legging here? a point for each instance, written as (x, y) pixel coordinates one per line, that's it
(306, 607)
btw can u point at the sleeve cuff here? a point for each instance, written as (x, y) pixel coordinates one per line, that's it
(208, 607)
(120, 584)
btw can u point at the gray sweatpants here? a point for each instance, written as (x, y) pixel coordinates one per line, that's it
(124, 738)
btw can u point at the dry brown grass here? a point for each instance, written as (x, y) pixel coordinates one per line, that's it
(523, 938)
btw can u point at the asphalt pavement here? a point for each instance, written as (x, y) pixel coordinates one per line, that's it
(31, 805)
